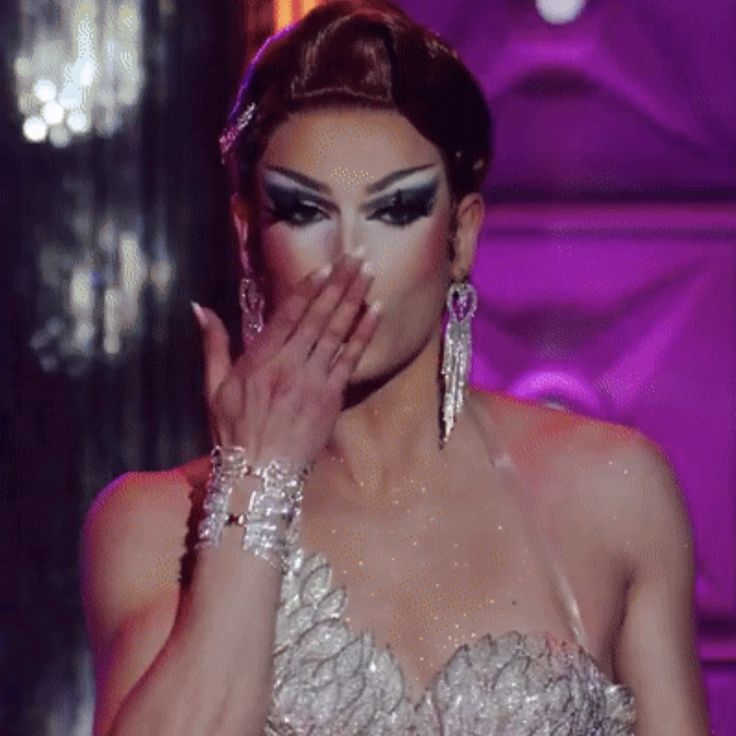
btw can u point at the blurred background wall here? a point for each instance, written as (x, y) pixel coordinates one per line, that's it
(606, 272)
(117, 218)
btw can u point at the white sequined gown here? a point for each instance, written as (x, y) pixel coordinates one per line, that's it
(330, 680)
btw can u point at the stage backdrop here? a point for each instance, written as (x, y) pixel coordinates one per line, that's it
(606, 271)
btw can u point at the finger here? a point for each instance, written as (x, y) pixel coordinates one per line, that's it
(216, 347)
(340, 323)
(288, 314)
(321, 310)
(346, 359)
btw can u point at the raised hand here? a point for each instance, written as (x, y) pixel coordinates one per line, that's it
(281, 397)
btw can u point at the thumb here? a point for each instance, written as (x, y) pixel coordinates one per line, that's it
(216, 345)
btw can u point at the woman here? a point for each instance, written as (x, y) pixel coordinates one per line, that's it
(499, 567)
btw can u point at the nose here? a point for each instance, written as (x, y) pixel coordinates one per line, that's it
(350, 239)
(357, 253)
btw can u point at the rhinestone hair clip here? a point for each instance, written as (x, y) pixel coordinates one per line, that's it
(230, 134)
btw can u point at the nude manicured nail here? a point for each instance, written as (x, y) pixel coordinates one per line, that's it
(199, 314)
(322, 274)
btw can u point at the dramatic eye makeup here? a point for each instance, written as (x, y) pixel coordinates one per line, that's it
(399, 208)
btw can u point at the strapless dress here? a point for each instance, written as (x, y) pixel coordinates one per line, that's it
(331, 681)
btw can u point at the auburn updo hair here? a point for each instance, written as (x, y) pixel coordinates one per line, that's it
(365, 53)
(359, 53)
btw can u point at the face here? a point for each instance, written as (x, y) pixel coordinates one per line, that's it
(336, 180)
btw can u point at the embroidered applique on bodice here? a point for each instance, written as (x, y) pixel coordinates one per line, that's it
(330, 681)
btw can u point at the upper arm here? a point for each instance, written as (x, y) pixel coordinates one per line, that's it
(128, 574)
(656, 652)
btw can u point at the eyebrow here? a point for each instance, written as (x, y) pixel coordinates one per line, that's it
(376, 186)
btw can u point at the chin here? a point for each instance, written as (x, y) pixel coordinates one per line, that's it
(376, 367)
(365, 370)
(371, 372)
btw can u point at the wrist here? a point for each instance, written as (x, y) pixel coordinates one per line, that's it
(269, 520)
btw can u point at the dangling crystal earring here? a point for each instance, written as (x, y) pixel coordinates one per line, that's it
(456, 352)
(251, 306)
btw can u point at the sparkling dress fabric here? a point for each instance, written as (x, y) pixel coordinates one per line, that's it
(329, 680)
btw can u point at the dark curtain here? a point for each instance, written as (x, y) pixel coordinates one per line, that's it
(70, 422)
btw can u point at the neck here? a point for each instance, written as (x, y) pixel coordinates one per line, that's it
(390, 425)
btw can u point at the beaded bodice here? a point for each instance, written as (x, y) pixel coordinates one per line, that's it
(329, 680)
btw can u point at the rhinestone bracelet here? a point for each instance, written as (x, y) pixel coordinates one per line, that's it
(271, 522)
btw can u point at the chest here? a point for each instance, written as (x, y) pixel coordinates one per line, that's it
(427, 572)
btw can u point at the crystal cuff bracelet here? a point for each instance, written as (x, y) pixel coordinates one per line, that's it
(270, 527)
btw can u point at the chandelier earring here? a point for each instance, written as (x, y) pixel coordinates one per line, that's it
(250, 296)
(462, 301)
(251, 306)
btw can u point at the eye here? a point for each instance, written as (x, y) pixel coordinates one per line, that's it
(400, 215)
(403, 213)
(297, 215)
(400, 209)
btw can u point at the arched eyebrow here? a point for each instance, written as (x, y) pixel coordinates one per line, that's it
(376, 186)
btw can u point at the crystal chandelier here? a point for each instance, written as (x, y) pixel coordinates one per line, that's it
(78, 68)
(79, 76)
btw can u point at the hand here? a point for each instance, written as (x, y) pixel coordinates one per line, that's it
(282, 396)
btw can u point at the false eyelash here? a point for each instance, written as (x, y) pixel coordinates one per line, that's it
(401, 212)
(414, 212)
(284, 209)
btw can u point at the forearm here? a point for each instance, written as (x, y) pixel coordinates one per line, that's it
(213, 676)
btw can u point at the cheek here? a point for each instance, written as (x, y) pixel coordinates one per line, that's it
(288, 258)
(414, 268)
(411, 280)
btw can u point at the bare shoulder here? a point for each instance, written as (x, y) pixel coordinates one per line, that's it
(624, 486)
(649, 504)
(635, 483)
(547, 435)
(132, 545)
(560, 436)
(606, 477)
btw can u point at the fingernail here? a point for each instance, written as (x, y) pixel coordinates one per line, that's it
(322, 274)
(199, 314)
(241, 228)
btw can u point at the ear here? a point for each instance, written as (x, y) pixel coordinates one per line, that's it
(239, 212)
(470, 213)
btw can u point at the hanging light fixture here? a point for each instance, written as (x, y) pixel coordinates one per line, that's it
(558, 12)
(78, 79)
(78, 67)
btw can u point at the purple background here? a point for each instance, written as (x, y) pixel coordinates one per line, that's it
(607, 269)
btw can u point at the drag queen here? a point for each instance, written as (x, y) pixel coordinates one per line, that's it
(373, 546)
